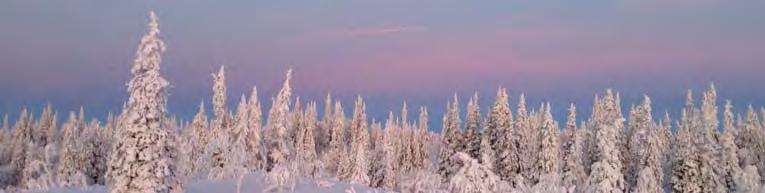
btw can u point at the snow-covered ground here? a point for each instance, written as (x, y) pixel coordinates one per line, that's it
(253, 183)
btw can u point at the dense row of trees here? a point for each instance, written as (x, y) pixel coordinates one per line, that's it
(145, 150)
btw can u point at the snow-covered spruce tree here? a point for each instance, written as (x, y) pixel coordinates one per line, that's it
(336, 151)
(185, 147)
(450, 140)
(44, 134)
(106, 135)
(622, 139)
(141, 160)
(219, 98)
(499, 127)
(729, 161)
(406, 147)
(751, 140)
(472, 177)
(94, 152)
(110, 125)
(404, 115)
(686, 175)
(296, 121)
(528, 140)
(281, 169)
(241, 127)
(422, 122)
(404, 143)
(647, 153)
(305, 149)
(573, 152)
(665, 141)
(472, 137)
(605, 110)
(708, 145)
(22, 129)
(549, 149)
(420, 157)
(590, 153)
(548, 165)
(641, 132)
(391, 160)
(665, 133)
(68, 164)
(359, 165)
(376, 155)
(45, 129)
(606, 174)
(231, 144)
(22, 137)
(220, 134)
(324, 129)
(256, 157)
(199, 136)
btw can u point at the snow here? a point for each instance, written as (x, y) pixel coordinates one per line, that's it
(252, 183)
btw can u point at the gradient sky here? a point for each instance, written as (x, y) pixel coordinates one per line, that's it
(73, 53)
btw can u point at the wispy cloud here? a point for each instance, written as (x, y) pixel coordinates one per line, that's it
(380, 31)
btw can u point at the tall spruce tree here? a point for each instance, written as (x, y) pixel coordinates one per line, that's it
(708, 145)
(751, 141)
(499, 125)
(685, 175)
(527, 141)
(358, 169)
(641, 134)
(324, 131)
(69, 167)
(450, 139)
(376, 155)
(198, 140)
(472, 136)
(220, 138)
(21, 139)
(278, 122)
(549, 145)
(729, 150)
(336, 151)
(142, 156)
(606, 174)
(255, 146)
(306, 146)
(420, 135)
(573, 173)
(391, 161)
(646, 151)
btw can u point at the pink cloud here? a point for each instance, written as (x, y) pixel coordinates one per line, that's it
(379, 31)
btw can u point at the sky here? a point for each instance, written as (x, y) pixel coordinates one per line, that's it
(78, 53)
